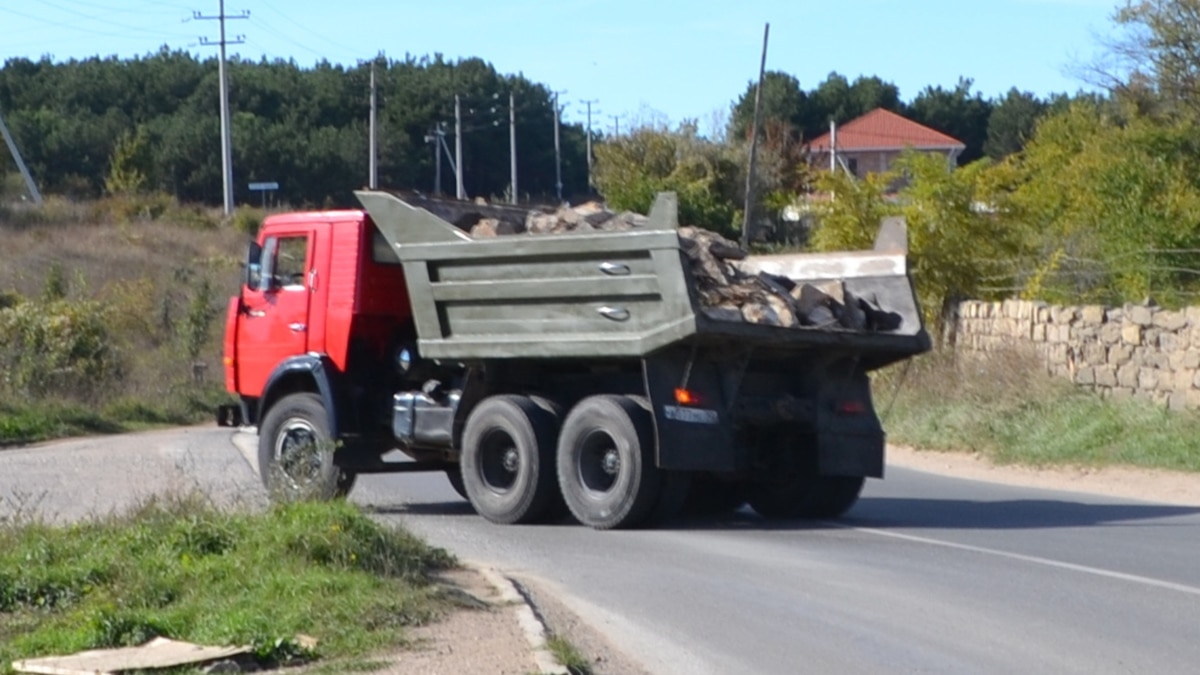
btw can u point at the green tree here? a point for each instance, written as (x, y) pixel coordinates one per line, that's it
(783, 101)
(1114, 201)
(956, 250)
(956, 112)
(1012, 123)
(1155, 62)
(125, 173)
(632, 169)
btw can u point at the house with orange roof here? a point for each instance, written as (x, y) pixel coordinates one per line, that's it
(871, 143)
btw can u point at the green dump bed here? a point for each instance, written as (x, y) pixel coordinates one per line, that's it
(610, 294)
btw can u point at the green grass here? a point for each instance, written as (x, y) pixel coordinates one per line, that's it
(1006, 409)
(35, 420)
(568, 655)
(182, 570)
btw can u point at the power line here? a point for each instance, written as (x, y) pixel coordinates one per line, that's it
(82, 29)
(99, 19)
(316, 34)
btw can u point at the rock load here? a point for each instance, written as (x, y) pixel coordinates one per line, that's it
(726, 292)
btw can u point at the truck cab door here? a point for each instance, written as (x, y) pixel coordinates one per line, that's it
(275, 307)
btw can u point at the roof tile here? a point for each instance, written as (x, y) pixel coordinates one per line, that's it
(885, 130)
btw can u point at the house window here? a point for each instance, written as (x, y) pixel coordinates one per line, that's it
(852, 165)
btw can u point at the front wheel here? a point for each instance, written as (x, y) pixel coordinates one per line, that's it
(295, 451)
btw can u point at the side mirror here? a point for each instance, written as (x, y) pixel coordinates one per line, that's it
(253, 266)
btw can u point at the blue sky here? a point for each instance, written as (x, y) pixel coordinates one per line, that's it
(639, 60)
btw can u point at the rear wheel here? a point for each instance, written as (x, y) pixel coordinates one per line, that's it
(606, 462)
(508, 460)
(806, 496)
(295, 451)
(456, 481)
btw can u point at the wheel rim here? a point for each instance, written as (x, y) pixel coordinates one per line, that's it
(599, 462)
(499, 461)
(297, 452)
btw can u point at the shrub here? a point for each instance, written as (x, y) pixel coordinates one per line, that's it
(248, 219)
(57, 348)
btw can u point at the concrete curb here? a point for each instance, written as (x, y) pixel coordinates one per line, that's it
(512, 594)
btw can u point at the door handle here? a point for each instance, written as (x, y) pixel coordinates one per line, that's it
(297, 327)
(255, 313)
(614, 269)
(614, 313)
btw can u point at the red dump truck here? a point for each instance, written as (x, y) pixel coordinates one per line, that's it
(544, 374)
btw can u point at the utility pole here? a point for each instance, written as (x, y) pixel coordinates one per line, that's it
(512, 144)
(16, 155)
(557, 153)
(373, 170)
(437, 138)
(832, 145)
(459, 191)
(226, 141)
(616, 125)
(589, 141)
(748, 212)
(437, 160)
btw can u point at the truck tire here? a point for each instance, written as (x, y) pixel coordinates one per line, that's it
(806, 496)
(456, 481)
(508, 460)
(295, 451)
(606, 462)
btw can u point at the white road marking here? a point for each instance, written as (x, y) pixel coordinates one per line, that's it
(1146, 581)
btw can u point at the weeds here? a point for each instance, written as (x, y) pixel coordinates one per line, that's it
(570, 657)
(1008, 409)
(101, 298)
(181, 569)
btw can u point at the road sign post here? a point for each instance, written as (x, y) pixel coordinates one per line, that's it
(264, 188)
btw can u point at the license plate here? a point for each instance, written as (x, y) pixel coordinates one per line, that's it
(691, 415)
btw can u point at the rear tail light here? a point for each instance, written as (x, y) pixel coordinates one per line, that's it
(851, 408)
(685, 397)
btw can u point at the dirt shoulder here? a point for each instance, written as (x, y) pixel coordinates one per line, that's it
(1167, 487)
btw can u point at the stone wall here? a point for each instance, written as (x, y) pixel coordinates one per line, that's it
(1133, 351)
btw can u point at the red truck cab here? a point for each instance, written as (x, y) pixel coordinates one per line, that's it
(322, 295)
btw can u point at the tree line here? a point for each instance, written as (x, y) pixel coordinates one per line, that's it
(305, 128)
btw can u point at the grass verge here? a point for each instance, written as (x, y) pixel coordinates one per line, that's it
(570, 657)
(183, 570)
(31, 421)
(1007, 409)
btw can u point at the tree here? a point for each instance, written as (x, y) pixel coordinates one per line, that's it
(1112, 203)
(1012, 123)
(1156, 61)
(956, 112)
(631, 169)
(956, 251)
(837, 99)
(783, 101)
(305, 127)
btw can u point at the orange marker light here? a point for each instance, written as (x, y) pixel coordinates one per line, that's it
(228, 360)
(685, 397)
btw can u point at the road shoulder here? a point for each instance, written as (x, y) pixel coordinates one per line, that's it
(1166, 487)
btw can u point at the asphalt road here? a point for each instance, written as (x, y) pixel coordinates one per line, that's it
(926, 574)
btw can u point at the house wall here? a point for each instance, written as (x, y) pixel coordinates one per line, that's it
(872, 161)
(1124, 352)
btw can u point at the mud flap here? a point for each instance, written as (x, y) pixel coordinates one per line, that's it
(694, 437)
